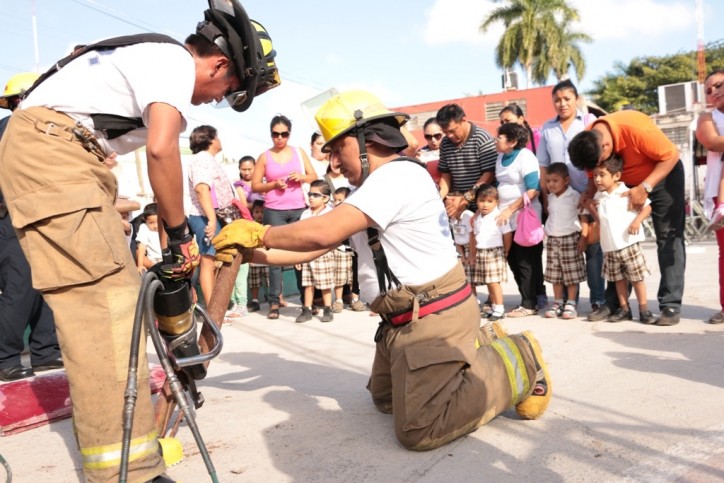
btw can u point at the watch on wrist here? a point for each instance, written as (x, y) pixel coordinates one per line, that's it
(469, 196)
(647, 187)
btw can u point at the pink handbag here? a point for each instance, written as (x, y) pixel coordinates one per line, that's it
(530, 229)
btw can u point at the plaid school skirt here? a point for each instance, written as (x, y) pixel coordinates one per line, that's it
(490, 266)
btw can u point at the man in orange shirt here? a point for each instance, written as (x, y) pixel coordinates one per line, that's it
(651, 169)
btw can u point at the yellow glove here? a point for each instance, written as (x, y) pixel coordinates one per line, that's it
(243, 233)
(227, 255)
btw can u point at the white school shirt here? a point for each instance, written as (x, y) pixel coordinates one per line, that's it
(462, 228)
(415, 231)
(123, 82)
(615, 219)
(488, 234)
(563, 213)
(713, 167)
(152, 242)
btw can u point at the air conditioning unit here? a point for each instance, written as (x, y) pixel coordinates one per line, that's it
(510, 80)
(679, 97)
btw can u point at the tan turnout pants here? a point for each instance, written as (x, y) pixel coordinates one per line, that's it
(61, 201)
(436, 382)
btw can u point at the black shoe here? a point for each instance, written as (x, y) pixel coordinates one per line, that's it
(16, 372)
(620, 315)
(668, 316)
(253, 306)
(327, 315)
(305, 316)
(646, 317)
(48, 366)
(601, 313)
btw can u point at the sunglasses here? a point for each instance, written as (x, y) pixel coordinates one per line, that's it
(437, 137)
(276, 134)
(713, 88)
(312, 194)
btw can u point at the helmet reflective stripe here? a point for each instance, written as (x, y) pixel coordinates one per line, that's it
(109, 456)
(16, 86)
(514, 367)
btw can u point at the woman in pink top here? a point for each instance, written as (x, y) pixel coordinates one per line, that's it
(279, 175)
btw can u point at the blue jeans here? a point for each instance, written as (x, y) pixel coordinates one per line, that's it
(278, 218)
(594, 266)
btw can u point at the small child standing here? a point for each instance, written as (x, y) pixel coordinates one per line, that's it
(621, 234)
(566, 230)
(489, 247)
(148, 243)
(258, 274)
(319, 273)
(344, 267)
(461, 228)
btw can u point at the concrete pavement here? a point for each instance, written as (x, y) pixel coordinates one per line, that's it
(287, 402)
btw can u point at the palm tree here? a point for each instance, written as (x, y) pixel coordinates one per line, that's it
(559, 53)
(528, 23)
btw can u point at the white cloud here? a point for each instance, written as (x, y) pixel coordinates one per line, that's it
(458, 21)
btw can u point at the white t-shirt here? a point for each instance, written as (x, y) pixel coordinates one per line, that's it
(308, 212)
(488, 234)
(563, 213)
(615, 219)
(713, 167)
(415, 232)
(511, 182)
(462, 228)
(123, 82)
(152, 242)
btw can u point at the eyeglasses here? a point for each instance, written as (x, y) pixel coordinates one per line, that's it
(713, 88)
(437, 136)
(312, 194)
(276, 134)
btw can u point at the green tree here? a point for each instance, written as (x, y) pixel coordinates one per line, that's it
(528, 26)
(559, 53)
(637, 83)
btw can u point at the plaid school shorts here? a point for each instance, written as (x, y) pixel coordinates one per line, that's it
(490, 266)
(343, 267)
(628, 263)
(319, 273)
(564, 263)
(469, 269)
(258, 276)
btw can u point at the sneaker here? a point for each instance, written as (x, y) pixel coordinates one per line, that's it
(305, 316)
(327, 315)
(620, 315)
(717, 221)
(569, 312)
(357, 306)
(235, 312)
(553, 311)
(536, 404)
(599, 314)
(668, 316)
(253, 306)
(646, 317)
(337, 306)
(717, 318)
(495, 316)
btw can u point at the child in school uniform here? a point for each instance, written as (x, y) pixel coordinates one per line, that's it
(461, 228)
(621, 237)
(344, 267)
(489, 246)
(148, 244)
(566, 229)
(319, 273)
(258, 274)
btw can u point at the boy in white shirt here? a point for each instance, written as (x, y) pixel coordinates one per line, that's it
(566, 231)
(461, 228)
(258, 274)
(489, 247)
(621, 235)
(319, 273)
(148, 250)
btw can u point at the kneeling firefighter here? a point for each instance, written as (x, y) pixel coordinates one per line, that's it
(435, 369)
(115, 96)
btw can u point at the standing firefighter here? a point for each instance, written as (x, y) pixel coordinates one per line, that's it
(435, 369)
(117, 95)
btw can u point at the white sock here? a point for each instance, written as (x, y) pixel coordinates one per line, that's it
(498, 309)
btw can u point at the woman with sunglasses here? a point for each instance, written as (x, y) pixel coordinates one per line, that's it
(280, 173)
(430, 154)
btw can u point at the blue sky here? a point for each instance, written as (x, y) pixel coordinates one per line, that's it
(408, 52)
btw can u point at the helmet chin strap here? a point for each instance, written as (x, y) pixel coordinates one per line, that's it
(362, 148)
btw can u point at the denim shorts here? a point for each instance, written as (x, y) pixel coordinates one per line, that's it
(198, 225)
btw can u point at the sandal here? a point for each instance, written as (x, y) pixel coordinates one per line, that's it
(273, 312)
(553, 311)
(521, 311)
(569, 312)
